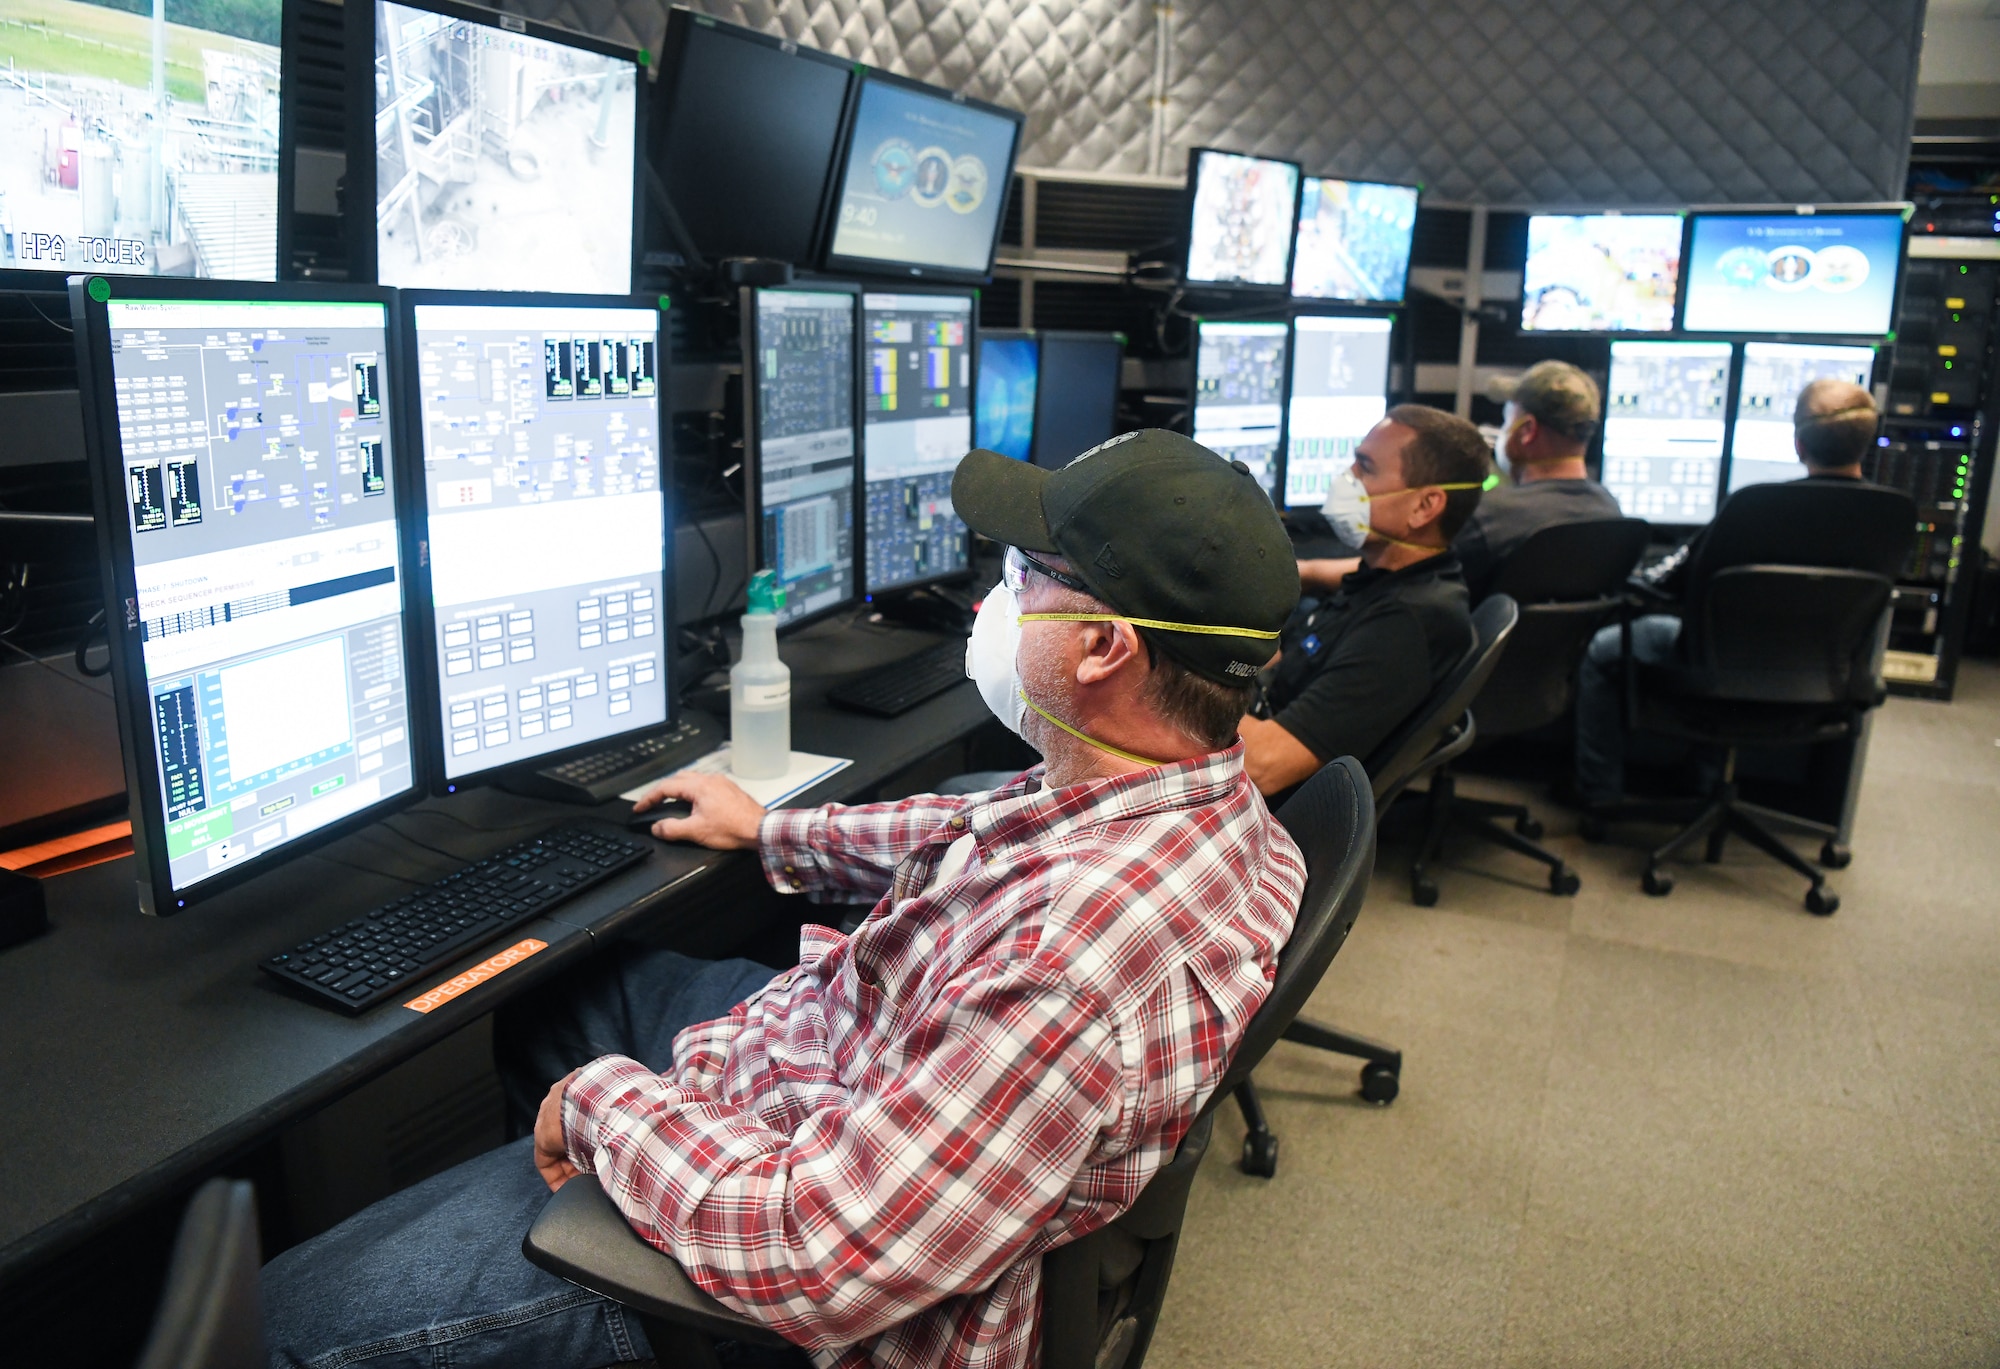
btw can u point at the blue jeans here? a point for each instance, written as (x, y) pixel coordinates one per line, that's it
(434, 1276)
(1601, 741)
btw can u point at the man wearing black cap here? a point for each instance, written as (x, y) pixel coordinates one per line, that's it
(870, 1152)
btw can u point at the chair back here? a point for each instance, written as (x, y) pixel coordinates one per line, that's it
(1568, 581)
(1836, 524)
(210, 1315)
(1785, 635)
(1102, 1295)
(1441, 727)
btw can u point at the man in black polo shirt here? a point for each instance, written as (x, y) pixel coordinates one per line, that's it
(1354, 665)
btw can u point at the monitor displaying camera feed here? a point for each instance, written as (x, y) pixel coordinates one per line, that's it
(1760, 440)
(803, 388)
(1830, 274)
(138, 148)
(1354, 241)
(925, 183)
(1663, 419)
(1004, 403)
(258, 468)
(916, 425)
(1240, 229)
(1239, 393)
(1340, 389)
(504, 160)
(1601, 273)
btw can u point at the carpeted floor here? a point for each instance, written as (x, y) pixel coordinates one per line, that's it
(1709, 1129)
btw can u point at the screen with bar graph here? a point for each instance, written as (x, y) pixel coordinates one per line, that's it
(916, 424)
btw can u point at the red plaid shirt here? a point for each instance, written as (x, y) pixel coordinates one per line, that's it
(871, 1154)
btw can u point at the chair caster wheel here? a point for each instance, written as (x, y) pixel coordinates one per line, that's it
(1380, 1084)
(1822, 902)
(1260, 1154)
(1424, 893)
(1657, 883)
(1834, 856)
(1531, 828)
(1592, 829)
(1564, 881)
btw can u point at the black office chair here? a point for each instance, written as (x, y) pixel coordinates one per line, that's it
(210, 1315)
(1568, 580)
(1769, 656)
(1101, 1294)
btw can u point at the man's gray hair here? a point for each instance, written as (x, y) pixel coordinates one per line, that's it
(1834, 422)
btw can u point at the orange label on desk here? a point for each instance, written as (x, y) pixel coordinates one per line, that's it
(477, 975)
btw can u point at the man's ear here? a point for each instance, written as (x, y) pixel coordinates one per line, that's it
(1108, 647)
(1427, 508)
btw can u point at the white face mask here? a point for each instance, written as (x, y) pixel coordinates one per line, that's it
(1346, 509)
(991, 657)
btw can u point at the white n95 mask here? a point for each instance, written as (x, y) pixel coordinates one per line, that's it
(1346, 509)
(990, 657)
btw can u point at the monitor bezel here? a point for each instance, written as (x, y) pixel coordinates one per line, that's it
(1314, 303)
(1284, 325)
(1729, 397)
(882, 269)
(1670, 332)
(674, 47)
(1840, 211)
(359, 193)
(963, 573)
(423, 664)
(753, 453)
(1739, 359)
(1283, 288)
(1042, 336)
(1282, 497)
(104, 452)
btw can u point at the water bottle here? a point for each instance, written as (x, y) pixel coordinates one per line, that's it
(760, 689)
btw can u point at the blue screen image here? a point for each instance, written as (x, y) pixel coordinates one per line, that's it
(1354, 240)
(1828, 274)
(926, 180)
(1004, 408)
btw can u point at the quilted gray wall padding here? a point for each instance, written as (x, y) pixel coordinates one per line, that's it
(1505, 102)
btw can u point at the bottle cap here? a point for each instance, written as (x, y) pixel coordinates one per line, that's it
(766, 595)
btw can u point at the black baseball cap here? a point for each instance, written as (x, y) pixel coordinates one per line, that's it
(1160, 528)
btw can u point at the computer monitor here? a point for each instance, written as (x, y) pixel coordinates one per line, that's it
(1239, 393)
(1822, 274)
(107, 172)
(245, 469)
(1601, 273)
(504, 151)
(1004, 405)
(1340, 389)
(798, 438)
(1076, 407)
(744, 133)
(1241, 211)
(924, 183)
(1760, 436)
(544, 599)
(1354, 241)
(1663, 428)
(916, 425)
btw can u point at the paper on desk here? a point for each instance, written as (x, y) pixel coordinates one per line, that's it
(806, 771)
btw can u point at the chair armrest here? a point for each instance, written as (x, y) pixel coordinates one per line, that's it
(581, 1236)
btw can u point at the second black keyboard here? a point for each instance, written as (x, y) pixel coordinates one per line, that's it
(900, 686)
(385, 953)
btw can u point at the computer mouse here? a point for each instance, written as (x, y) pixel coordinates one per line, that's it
(669, 808)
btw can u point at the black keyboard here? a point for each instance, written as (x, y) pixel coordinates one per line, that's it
(900, 686)
(387, 953)
(605, 774)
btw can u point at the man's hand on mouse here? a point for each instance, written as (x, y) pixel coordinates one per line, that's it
(724, 817)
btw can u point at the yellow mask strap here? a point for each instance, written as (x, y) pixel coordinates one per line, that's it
(1203, 629)
(1491, 482)
(1085, 738)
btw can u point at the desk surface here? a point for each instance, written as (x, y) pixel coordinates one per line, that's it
(141, 1052)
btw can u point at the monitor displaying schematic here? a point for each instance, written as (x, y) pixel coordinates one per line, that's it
(800, 436)
(1239, 393)
(1240, 216)
(547, 596)
(247, 467)
(1760, 438)
(505, 151)
(916, 425)
(106, 171)
(1663, 428)
(1340, 389)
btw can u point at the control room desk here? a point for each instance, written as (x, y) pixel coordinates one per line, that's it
(139, 1054)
